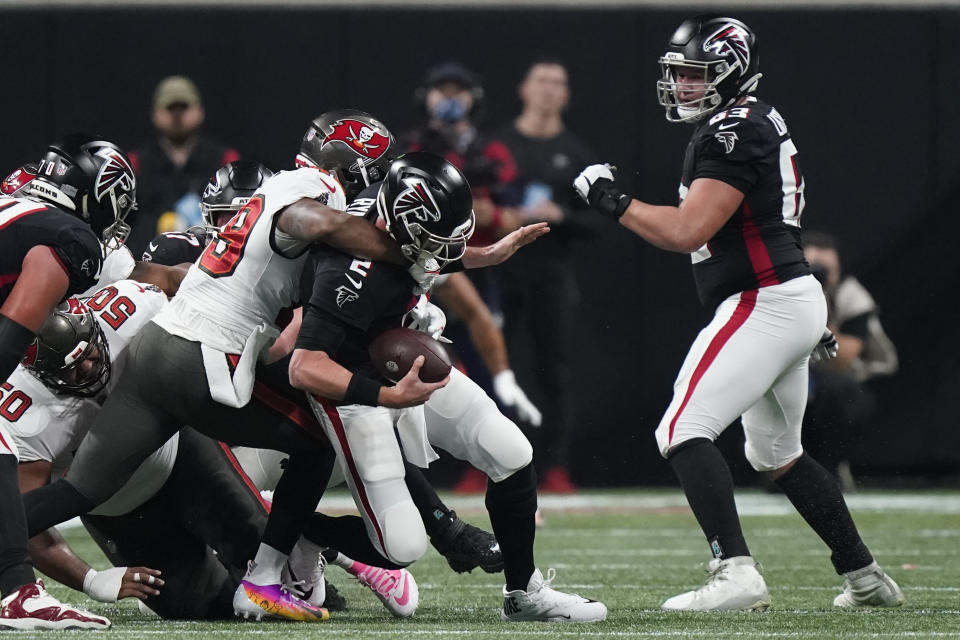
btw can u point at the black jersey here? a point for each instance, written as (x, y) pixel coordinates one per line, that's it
(361, 297)
(27, 223)
(364, 298)
(175, 247)
(749, 148)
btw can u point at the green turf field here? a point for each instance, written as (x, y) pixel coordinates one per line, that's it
(632, 549)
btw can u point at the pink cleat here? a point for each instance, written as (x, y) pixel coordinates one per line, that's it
(31, 608)
(396, 588)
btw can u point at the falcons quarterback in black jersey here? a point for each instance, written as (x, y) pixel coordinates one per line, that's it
(49, 228)
(741, 198)
(426, 205)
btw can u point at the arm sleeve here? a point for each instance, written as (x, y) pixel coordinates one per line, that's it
(320, 331)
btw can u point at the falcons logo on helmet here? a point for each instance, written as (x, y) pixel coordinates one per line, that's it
(730, 40)
(360, 137)
(417, 201)
(114, 172)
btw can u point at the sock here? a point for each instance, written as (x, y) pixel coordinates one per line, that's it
(295, 499)
(435, 515)
(511, 504)
(708, 485)
(267, 566)
(50, 505)
(817, 498)
(16, 569)
(304, 555)
(346, 534)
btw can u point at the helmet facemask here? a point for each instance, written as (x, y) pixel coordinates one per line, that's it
(64, 343)
(410, 227)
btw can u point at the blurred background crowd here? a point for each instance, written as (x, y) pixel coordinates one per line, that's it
(595, 322)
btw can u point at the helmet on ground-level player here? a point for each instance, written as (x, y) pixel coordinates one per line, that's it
(351, 144)
(724, 50)
(230, 188)
(93, 179)
(427, 206)
(15, 183)
(68, 339)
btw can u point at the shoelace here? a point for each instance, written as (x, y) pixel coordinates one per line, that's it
(382, 581)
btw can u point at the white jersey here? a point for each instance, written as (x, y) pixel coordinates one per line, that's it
(251, 270)
(47, 426)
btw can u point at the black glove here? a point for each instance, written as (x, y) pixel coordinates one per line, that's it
(596, 187)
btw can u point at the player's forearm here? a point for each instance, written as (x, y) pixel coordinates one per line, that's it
(317, 373)
(488, 340)
(661, 226)
(53, 557)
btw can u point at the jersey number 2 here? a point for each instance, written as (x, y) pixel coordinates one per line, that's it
(221, 256)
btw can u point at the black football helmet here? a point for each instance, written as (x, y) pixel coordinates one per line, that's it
(725, 50)
(428, 207)
(352, 145)
(16, 183)
(93, 179)
(230, 188)
(68, 338)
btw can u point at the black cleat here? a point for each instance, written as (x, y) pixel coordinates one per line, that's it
(334, 601)
(467, 547)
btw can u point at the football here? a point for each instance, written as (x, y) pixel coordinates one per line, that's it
(393, 352)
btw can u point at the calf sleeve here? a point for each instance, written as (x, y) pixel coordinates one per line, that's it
(512, 506)
(435, 514)
(15, 567)
(817, 498)
(300, 488)
(708, 485)
(348, 535)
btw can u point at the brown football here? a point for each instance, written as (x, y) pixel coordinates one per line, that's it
(393, 352)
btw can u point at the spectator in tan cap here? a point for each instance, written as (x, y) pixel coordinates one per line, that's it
(173, 167)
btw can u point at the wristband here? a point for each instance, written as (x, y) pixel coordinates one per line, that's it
(362, 390)
(606, 198)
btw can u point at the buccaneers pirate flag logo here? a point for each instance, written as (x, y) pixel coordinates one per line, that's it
(361, 138)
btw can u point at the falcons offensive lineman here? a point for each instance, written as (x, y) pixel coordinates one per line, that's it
(741, 197)
(49, 253)
(426, 205)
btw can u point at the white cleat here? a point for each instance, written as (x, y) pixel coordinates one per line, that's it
(302, 575)
(31, 608)
(869, 587)
(541, 603)
(734, 584)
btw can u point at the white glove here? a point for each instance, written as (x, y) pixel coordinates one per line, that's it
(509, 392)
(588, 176)
(425, 273)
(826, 349)
(104, 586)
(426, 317)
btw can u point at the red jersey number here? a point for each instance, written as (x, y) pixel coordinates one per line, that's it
(120, 309)
(224, 252)
(13, 405)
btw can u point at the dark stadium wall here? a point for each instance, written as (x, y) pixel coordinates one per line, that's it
(870, 96)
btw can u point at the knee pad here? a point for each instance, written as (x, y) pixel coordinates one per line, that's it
(404, 536)
(505, 446)
(768, 460)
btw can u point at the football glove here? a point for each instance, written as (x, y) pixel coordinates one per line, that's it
(595, 185)
(509, 393)
(426, 317)
(425, 273)
(826, 349)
